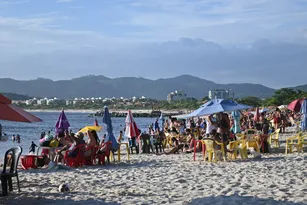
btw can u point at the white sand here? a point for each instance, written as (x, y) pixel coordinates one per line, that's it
(172, 179)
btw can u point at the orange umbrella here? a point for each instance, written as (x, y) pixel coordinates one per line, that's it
(10, 112)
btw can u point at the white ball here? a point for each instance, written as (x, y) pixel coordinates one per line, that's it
(64, 188)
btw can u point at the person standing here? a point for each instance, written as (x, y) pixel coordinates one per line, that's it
(18, 138)
(32, 147)
(0, 130)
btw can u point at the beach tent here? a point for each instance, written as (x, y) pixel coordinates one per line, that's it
(62, 124)
(10, 112)
(216, 106)
(106, 119)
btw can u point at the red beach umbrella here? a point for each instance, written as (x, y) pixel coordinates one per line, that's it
(131, 128)
(257, 115)
(296, 105)
(96, 123)
(10, 112)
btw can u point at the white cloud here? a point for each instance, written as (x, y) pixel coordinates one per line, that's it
(141, 38)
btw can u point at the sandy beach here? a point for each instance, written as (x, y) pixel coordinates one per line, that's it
(172, 179)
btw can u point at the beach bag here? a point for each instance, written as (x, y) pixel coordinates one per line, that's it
(54, 143)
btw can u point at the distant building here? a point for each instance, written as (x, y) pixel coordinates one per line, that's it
(42, 101)
(31, 101)
(221, 94)
(176, 95)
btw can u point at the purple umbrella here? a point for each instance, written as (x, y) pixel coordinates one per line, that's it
(62, 124)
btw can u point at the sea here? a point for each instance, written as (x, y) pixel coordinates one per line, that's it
(32, 131)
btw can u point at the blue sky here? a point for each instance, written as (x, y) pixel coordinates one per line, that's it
(117, 37)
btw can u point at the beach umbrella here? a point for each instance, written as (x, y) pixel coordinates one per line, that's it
(11, 112)
(257, 115)
(87, 128)
(283, 107)
(131, 128)
(62, 124)
(216, 106)
(296, 105)
(236, 115)
(96, 123)
(264, 110)
(162, 120)
(304, 115)
(106, 119)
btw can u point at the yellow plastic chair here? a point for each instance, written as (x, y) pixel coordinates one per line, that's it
(234, 147)
(240, 136)
(274, 138)
(293, 141)
(211, 152)
(243, 148)
(251, 133)
(252, 142)
(302, 142)
(119, 151)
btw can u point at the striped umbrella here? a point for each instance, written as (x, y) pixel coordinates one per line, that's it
(131, 128)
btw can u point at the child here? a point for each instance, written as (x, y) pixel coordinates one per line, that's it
(32, 147)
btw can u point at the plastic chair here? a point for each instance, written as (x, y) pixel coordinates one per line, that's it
(89, 160)
(274, 137)
(127, 149)
(234, 147)
(293, 141)
(106, 154)
(243, 148)
(6, 176)
(75, 161)
(211, 152)
(28, 161)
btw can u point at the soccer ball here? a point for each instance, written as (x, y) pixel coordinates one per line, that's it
(64, 188)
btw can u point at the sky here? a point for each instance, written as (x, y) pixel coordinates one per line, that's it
(226, 41)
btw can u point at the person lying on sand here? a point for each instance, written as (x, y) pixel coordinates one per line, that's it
(175, 150)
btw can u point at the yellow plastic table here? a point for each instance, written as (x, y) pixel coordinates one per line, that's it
(127, 148)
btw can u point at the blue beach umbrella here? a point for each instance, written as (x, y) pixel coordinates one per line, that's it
(106, 119)
(216, 106)
(304, 115)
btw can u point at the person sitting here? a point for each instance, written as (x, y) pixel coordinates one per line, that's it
(120, 137)
(160, 136)
(189, 145)
(72, 152)
(92, 141)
